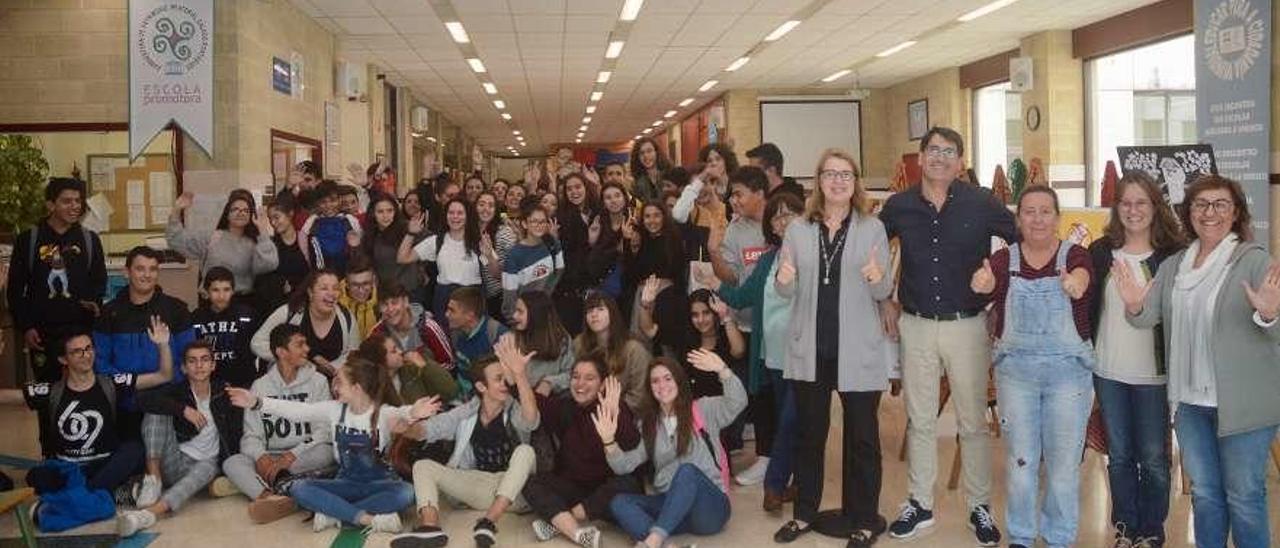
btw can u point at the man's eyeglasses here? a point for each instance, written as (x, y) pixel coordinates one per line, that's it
(1221, 206)
(80, 352)
(941, 152)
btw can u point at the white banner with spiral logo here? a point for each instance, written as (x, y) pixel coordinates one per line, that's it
(170, 70)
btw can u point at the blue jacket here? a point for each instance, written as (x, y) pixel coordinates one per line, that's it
(73, 505)
(120, 334)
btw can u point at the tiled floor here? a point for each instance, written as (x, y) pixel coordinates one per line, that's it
(223, 522)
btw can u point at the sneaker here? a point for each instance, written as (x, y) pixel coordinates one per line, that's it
(222, 487)
(386, 523)
(126, 495)
(270, 507)
(149, 492)
(320, 522)
(754, 474)
(1122, 542)
(911, 520)
(485, 533)
(984, 526)
(861, 538)
(1148, 542)
(587, 537)
(129, 523)
(790, 531)
(422, 536)
(544, 530)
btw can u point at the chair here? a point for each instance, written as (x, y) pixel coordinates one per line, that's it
(18, 500)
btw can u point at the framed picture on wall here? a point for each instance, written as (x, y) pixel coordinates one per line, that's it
(917, 119)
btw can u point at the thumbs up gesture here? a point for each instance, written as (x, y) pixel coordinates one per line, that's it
(872, 272)
(984, 280)
(786, 268)
(1075, 283)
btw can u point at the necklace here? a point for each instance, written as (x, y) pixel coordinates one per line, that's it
(829, 254)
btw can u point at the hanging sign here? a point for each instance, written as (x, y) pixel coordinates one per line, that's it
(170, 70)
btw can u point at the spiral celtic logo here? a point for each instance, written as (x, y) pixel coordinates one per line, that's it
(173, 39)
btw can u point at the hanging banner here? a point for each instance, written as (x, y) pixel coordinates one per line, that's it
(1233, 96)
(170, 70)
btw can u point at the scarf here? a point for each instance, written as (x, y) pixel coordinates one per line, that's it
(1195, 291)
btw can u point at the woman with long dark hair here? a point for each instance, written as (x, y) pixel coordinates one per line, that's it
(647, 165)
(605, 334)
(330, 329)
(577, 210)
(604, 235)
(536, 328)
(682, 324)
(241, 241)
(272, 289)
(384, 229)
(651, 246)
(455, 250)
(496, 235)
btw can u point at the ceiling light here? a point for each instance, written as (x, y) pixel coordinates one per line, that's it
(837, 75)
(586, 119)
(710, 84)
(647, 130)
(636, 138)
(515, 132)
(669, 114)
(582, 128)
(591, 109)
(614, 50)
(506, 116)
(458, 33)
(781, 31)
(596, 95)
(432, 139)
(490, 88)
(896, 49)
(656, 124)
(984, 10)
(686, 102)
(603, 77)
(579, 140)
(500, 104)
(581, 134)
(737, 64)
(476, 65)
(630, 10)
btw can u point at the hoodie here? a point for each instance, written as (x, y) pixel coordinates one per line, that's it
(120, 338)
(365, 313)
(32, 300)
(265, 433)
(230, 332)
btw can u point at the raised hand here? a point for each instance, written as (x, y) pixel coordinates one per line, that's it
(786, 268)
(593, 230)
(611, 395)
(418, 224)
(184, 201)
(263, 221)
(591, 175)
(553, 227)
(983, 281)
(706, 277)
(486, 247)
(872, 272)
(241, 398)
(630, 232)
(158, 332)
(718, 306)
(1266, 297)
(649, 293)
(1075, 283)
(606, 421)
(424, 407)
(514, 361)
(1132, 292)
(195, 417)
(706, 360)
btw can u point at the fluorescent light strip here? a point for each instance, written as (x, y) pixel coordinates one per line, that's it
(614, 49)
(515, 132)
(458, 33)
(582, 128)
(737, 64)
(603, 77)
(896, 49)
(578, 140)
(586, 119)
(506, 116)
(591, 109)
(500, 104)
(686, 102)
(596, 95)
(984, 10)
(476, 65)
(647, 130)
(837, 75)
(710, 84)
(630, 10)
(490, 88)
(669, 114)
(656, 124)
(781, 31)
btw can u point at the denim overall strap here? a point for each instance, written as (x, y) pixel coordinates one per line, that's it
(359, 458)
(1039, 317)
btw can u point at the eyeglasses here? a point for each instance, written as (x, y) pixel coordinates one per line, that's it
(238, 210)
(942, 152)
(832, 175)
(1221, 206)
(80, 352)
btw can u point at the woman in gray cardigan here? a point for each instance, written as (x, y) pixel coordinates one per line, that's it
(1219, 301)
(241, 241)
(832, 268)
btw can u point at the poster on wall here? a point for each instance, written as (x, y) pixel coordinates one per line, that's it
(1173, 167)
(1233, 95)
(281, 76)
(170, 70)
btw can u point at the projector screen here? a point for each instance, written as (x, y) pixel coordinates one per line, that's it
(802, 129)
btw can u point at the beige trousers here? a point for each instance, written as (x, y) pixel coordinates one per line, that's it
(474, 489)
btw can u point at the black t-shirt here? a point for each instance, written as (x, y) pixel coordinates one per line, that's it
(828, 316)
(86, 423)
(330, 347)
(492, 444)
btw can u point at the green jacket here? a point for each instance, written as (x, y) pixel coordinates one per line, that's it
(750, 294)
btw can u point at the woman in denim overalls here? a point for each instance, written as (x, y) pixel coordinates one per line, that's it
(1043, 369)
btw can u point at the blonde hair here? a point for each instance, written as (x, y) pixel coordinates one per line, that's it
(815, 209)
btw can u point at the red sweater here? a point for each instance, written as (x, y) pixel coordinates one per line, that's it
(1077, 257)
(580, 456)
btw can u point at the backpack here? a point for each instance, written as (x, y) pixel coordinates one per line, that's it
(329, 240)
(35, 236)
(722, 461)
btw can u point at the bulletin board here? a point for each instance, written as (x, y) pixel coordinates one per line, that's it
(138, 195)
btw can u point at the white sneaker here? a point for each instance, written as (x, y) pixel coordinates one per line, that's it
(587, 537)
(543, 531)
(129, 523)
(149, 492)
(755, 473)
(320, 522)
(386, 523)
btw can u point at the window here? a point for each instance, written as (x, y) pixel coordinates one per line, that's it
(1143, 96)
(997, 130)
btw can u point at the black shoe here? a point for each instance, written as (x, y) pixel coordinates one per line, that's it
(1017, 546)
(791, 531)
(485, 533)
(422, 536)
(861, 538)
(984, 526)
(912, 519)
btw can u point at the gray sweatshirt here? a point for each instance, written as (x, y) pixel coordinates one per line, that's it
(555, 371)
(717, 413)
(244, 257)
(269, 433)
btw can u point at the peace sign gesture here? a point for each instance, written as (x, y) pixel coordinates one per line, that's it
(1266, 297)
(872, 272)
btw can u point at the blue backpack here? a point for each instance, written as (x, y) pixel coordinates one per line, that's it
(329, 242)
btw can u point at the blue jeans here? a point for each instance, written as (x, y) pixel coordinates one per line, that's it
(1228, 479)
(778, 475)
(1137, 421)
(347, 499)
(692, 504)
(1044, 408)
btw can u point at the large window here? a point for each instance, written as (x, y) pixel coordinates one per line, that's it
(997, 130)
(1143, 96)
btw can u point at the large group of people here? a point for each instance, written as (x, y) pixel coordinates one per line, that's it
(589, 347)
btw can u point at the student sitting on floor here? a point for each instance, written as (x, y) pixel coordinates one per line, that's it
(492, 458)
(274, 449)
(188, 429)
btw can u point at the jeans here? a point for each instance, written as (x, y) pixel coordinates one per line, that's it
(113, 471)
(243, 472)
(347, 499)
(692, 504)
(1043, 412)
(778, 476)
(1228, 479)
(1137, 422)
